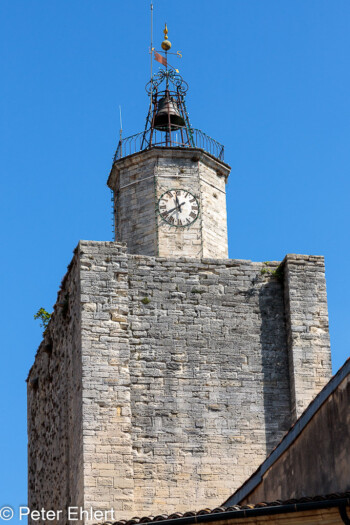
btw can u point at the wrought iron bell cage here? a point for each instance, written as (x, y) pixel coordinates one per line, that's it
(167, 121)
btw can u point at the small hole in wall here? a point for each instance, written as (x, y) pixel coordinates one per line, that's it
(48, 347)
(34, 384)
(215, 195)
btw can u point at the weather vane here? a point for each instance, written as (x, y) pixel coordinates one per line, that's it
(166, 46)
(167, 122)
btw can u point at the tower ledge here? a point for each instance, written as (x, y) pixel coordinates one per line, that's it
(194, 154)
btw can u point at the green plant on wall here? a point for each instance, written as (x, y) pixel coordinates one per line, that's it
(44, 318)
(277, 273)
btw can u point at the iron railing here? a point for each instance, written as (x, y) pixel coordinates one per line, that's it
(141, 141)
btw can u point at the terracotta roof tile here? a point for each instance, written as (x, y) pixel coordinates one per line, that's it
(222, 510)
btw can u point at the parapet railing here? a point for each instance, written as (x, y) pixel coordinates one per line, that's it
(144, 140)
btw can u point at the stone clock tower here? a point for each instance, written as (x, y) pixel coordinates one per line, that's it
(171, 202)
(168, 372)
(169, 198)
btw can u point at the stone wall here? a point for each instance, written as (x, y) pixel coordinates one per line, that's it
(207, 352)
(182, 375)
(55, 446)
(107, 425)
(213, 204)
(134, 204)
(308, 329)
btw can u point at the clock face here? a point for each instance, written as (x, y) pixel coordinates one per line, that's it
(178, 207)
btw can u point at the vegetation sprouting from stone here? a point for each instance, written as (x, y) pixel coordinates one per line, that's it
(277, 273)
(44, 318)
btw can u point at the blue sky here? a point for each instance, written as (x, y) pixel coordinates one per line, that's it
(268, 79)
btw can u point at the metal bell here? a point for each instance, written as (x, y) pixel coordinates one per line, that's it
(168, 110)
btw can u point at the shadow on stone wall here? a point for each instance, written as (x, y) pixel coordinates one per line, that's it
(274, 359)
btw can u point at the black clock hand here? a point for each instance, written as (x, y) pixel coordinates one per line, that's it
(172, 209)
(176, 208)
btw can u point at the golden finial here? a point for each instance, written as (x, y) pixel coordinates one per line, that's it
(166, 44)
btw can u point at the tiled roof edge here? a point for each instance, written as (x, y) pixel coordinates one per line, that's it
(244, 511)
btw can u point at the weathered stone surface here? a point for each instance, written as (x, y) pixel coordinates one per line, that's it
(55, 421)
(170, 378)
(316, 459)
(308, 330)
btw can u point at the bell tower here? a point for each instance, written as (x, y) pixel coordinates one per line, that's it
(161, 384)
(169, 180)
